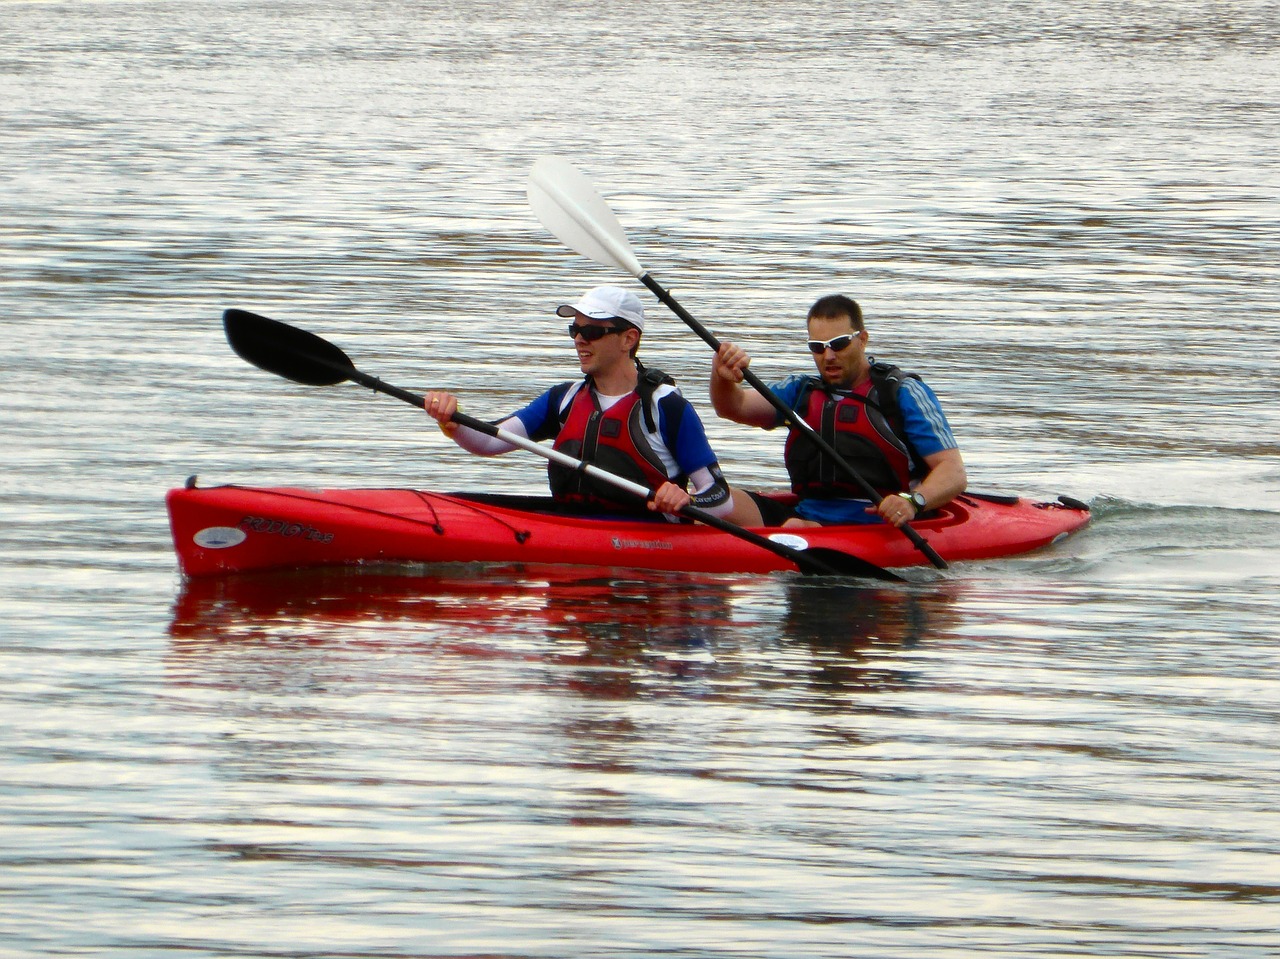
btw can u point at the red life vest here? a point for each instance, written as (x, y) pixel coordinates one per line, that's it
(855, 426)
(612, 439)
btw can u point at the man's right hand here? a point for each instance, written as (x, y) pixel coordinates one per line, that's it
(730, 361)
(441, 406)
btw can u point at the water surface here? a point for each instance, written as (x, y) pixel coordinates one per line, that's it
(1064, 218)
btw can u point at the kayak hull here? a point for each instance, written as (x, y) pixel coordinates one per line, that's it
(231, 529)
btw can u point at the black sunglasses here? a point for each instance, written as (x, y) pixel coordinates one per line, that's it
(835, 344)
(593, 332)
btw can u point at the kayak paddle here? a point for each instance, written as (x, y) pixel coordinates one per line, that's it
(570, 207)
(304, 357)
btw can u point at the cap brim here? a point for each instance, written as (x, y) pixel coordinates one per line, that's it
(567, 311)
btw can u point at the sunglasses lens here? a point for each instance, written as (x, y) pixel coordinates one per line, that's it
(836, 345)
(592, 333)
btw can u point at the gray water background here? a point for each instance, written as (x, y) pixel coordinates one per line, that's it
(1065, 216)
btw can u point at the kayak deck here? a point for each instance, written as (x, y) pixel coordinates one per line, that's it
(229, 529)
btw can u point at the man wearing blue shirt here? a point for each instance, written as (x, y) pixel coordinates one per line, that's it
(620, 417)
(886, 424)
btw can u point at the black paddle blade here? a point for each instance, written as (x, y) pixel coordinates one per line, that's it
(818, 561)
(286, 350)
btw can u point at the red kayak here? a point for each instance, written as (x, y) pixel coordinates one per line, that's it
(231, 529)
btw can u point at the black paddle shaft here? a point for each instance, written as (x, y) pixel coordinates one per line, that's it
(789, 416)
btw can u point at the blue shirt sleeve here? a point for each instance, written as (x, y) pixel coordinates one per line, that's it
(922, 418)
(788, 391)
(689, 444)
(541, 418)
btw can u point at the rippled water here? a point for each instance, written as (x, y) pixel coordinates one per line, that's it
(1065, 218)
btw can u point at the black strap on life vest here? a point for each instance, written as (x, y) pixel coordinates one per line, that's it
(887, 378)
(650, 379)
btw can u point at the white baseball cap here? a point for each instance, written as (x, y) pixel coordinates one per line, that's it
(607, 303)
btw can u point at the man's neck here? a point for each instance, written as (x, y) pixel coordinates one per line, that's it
(621, 378)
(860, 376)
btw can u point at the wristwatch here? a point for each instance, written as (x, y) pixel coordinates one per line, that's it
(916, 499)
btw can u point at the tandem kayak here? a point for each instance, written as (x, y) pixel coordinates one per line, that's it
(232, 529)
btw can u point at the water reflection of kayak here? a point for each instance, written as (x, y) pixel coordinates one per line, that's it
(223, 606)
(591, 630)
(226, 529)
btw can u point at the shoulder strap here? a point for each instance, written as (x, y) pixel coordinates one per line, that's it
(887, 379)
(562, 391)
(649, 380)
(811, 383)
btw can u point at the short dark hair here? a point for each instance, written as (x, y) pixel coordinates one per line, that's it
(627, 325)
(834, 307)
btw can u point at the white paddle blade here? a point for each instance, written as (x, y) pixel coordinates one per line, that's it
(568, 205)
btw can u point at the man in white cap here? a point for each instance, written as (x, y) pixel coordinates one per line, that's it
(621, 417)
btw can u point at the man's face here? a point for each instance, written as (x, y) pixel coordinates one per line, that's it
(843, 367)
(598, 355)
